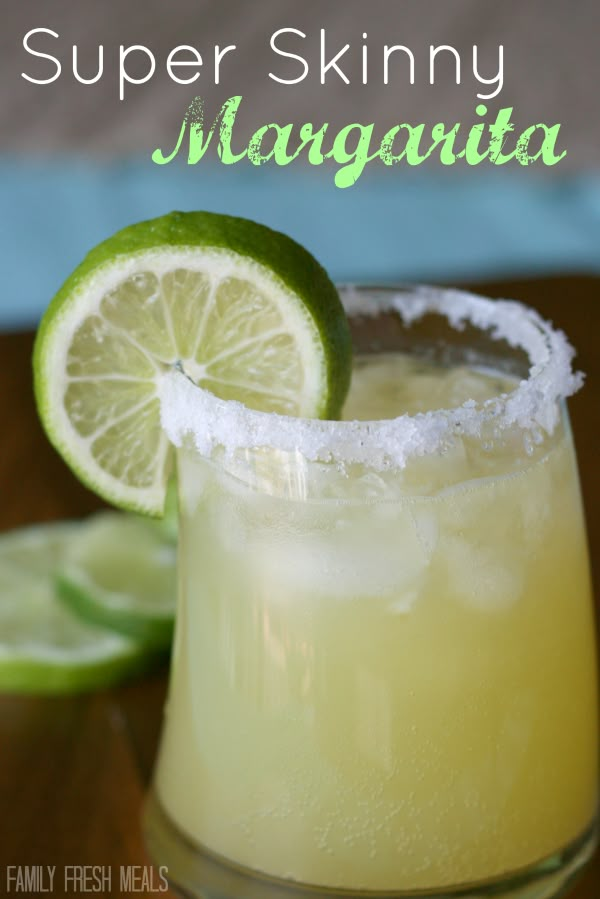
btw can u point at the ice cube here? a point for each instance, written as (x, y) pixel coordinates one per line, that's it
(481, 576)
(352, 561)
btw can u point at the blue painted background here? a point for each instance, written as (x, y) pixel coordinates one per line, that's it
(410, 225)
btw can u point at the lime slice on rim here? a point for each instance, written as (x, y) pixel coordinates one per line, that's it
(246, 312)
(45, 648)
(119, 572)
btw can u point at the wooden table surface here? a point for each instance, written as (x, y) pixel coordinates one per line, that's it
(73, 770)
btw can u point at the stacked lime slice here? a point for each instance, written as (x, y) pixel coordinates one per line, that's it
(119, 572)
(44, 647)
(246, 313)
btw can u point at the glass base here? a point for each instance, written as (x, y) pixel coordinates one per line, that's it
(196, 873)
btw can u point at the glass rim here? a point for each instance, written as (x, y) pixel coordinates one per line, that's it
(188, 410)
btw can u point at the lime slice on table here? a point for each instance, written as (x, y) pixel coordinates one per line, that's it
(44, 647)
(119, 572)
(246, 312)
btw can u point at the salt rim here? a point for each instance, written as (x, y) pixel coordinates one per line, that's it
(187, 409)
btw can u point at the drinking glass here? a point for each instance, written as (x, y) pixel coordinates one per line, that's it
(384, 676)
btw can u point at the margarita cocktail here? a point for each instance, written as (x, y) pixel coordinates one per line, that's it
(384, 672)
(383, 675)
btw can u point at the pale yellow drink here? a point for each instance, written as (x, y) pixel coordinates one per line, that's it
(384, 681)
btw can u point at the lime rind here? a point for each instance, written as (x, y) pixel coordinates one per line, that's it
(113, 611)
(32, 674)
(169, 523)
